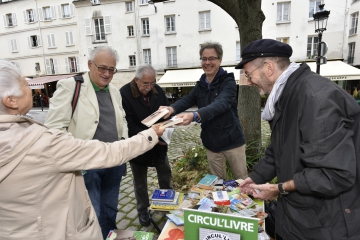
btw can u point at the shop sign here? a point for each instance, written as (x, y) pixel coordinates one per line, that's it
(201, 225)
(336, 78)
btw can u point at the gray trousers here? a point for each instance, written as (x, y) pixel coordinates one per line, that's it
(140, 182)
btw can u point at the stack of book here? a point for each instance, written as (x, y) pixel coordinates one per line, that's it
(166, 199)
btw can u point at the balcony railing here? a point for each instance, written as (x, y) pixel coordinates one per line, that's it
(350, 60)
(352, 31)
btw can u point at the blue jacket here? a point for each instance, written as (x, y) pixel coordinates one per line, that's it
(217, 106)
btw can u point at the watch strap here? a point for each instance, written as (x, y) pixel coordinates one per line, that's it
(281, 189)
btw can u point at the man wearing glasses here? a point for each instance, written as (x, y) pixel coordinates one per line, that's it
(141, 97)
(215, 96)
(98, 115)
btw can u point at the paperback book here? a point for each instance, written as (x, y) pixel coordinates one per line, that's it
(173, 121)
(163, 195)
(179, 221)
(175, 202)
(171, 231)
(167, 207)
(154, 117)
(207, 182)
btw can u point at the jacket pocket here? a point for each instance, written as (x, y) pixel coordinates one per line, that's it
(88, 217)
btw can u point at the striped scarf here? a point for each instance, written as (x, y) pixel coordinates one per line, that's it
(269, 110)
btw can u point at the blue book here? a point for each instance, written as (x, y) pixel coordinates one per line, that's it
(161, 195)
(175, 202)
(208, 181)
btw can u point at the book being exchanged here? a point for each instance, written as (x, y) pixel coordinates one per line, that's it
(154, 117)
(173, 121)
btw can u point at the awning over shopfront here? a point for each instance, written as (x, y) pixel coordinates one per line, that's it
(188, 77)
(337, 70)
(42, 80)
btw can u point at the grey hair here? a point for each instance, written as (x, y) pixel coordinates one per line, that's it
(10, 82)
(215, 45)
(144, 68)
(110, 50)
(281, 62)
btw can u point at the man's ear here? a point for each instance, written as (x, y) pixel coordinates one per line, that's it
(89, 64)
(10, 102)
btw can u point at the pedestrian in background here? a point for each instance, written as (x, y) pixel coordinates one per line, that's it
(98, 115)
(141, 97)
(215, 96)
(314, 150)
(43, 195)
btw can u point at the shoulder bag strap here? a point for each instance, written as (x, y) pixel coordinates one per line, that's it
(78, 80)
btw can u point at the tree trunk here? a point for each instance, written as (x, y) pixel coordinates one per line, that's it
(249, 18)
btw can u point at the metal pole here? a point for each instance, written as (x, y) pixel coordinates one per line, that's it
(319, 52)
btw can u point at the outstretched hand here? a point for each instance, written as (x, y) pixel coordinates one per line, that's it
(159, 131)
(171, 111)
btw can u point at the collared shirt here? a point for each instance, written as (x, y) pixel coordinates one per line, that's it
(96, 88)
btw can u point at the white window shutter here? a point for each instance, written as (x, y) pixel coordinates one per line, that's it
(72, 9)
(71, 40)
(39, 41)
(59, 11)
(47, 66)
(67, 69)
(29, 42)
(14, 44)
(77, 64)
(53, 39)
(53, 12)
(40, 12)
(67, 38)
(56, 68)
(35, 15)
(88, 26)
(5, 21)
(107, 24)
(13, 15)
(49, 40)
(25, 17)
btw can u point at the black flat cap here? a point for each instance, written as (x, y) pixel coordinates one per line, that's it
(264, 48)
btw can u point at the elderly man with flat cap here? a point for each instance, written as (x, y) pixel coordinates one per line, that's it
(314, 150)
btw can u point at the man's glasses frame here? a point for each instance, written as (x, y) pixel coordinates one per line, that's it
(210, 59)
(148, 84)
(248, 75)
(104, 69)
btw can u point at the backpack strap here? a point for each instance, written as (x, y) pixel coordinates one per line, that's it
(78, 80)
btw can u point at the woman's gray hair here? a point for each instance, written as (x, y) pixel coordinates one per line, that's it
(110, 50)
(144, 68)
(10, 81)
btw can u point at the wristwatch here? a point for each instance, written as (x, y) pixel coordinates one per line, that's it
(196, 118)
(282, 191)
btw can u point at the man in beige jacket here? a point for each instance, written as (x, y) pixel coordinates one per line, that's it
(98, 115)
(43, 195)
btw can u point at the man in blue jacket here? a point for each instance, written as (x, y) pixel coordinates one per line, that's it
(215, 96)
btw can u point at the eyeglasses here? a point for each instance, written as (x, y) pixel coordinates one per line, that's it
(104, 69)
(247, 75)
(148, 84)
(210, 59)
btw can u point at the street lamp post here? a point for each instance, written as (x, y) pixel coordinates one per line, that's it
(320, 19)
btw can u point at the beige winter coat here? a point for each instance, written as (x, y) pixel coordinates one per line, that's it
(42, 191)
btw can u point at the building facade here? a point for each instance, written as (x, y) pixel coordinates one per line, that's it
(55, 37)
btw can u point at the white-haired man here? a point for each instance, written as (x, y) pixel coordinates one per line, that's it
(98, 115)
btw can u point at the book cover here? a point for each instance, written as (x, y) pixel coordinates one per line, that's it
(161, 195)
(207, 182)
(164, 207)
(178, 220)
(171, 122)
(221, 198)
(175, 202)
(172, 232)
(141, 235)
(154, 117)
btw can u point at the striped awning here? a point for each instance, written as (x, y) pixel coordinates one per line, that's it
(47, 79)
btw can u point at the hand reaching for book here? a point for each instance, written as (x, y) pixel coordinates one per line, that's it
(159, 131)
(171, 111)
(187, 118)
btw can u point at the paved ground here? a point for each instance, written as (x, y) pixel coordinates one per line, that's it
(183, 137)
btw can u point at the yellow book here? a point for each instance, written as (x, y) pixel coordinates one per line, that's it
(165, 207)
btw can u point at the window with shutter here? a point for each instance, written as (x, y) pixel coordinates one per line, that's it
(204, 20)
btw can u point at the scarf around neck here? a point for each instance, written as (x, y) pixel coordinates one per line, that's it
(269, 109)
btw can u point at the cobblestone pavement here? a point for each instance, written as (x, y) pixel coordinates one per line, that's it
(182, 139)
